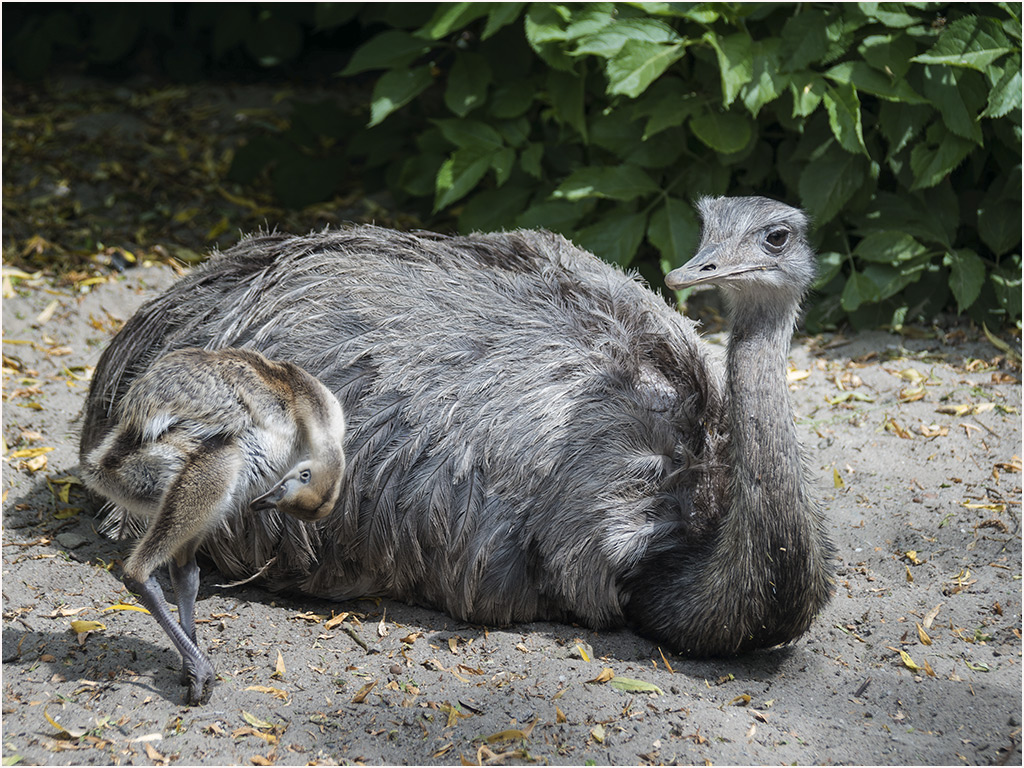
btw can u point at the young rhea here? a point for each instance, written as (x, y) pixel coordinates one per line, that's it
(532, 433)
(204, 437)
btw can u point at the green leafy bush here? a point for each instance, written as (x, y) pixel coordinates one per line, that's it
(896, 126)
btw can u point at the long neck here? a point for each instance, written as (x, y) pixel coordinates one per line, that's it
(770, 552)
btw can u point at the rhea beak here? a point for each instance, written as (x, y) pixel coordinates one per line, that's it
(268, 500)
(706, 267)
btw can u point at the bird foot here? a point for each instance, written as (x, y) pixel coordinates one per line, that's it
(199, 678)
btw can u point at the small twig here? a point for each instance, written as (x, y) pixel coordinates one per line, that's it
(351, 632)
(863, 687)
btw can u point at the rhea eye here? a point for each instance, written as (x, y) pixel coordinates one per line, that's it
(776, 239)
(305, 475)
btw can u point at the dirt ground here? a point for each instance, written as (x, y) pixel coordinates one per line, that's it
(914, 445)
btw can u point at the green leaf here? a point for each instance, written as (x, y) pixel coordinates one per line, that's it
(566, 93)
(946, 88)
(932, 219)
(889, 54)
(615, 237)
(458, 175)
(807, 93)
(829, 265)
(766, 82)
(512, 99)
(966, 277)
(467, 83)
(616, 182)
(493, 209)
(735, 62)
(450, 17)
(843, 109)
(470, 134)
(530, 157)
(888, 247)
(859, 289)
(630, 685)
(396, 89)
(556, 215)
(675, 231)
(803, 37)
(665, 105)
(999, 223)
(864, 78)
(969, 41)
(394, 48)
(934, 159)
(501, 15)
(639, 64)
(1005, 96)
(828, 182)
(609, 41)
(890, 14)
(502, 162)
(545, 32)
(1006, 284)
(724, 132)
(899, 123)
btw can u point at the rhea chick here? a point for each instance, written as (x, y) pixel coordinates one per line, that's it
(202, 436)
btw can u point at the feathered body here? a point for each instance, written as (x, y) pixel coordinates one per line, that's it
(527, 425)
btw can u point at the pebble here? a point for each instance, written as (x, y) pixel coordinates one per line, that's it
(71, 540)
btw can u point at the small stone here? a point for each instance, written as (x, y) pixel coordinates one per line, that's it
(71, 540)
(395, 670)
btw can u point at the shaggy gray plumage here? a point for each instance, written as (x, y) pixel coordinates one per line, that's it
(532, 433)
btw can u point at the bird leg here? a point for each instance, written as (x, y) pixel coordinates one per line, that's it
(198, 670)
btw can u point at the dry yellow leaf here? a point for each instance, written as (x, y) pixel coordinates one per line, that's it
(922, 635)
(793, 375)
(909, 662)
(279, 666)
(559, 715)
(598, 733)
(910, 576)
(837, 479)
(126, 607)
(928, 669)
(363, 692)
(740, 701)
(277, 693)
(911, 555)
(930, 616)
(31, 453)
(606, 674)
(336, 620)
(912, 394)
(87, 626)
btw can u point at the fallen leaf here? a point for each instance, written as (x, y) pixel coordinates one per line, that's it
(598, 733)
(559, 715)
(630, 685)
(606, 674)
(126, 607)
(511, 734)
(255, 722)
(979, 667)
(382, 630)
(837, 479)
(891, 425)
(44, 317)
(794, 375)
(362, 693)
(87, 626)
(923, 636)
(667, 665)
(336, 620)
(928, 669)
(740, 701)
(74, 733)
(908, 662)
(259, 760)
(930, 616)
(910, 576)
(153, 755)
(933, 430)
(411, 638)
(845, 397)
(277, 693)
(911, 394)
(31, 453)
(279, 671)
(912, 375)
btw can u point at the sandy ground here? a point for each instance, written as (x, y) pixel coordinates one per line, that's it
(917, 660)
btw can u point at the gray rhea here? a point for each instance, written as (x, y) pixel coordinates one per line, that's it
(532, 433)
(203, 436)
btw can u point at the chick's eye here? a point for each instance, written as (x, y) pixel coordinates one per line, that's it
(305, 475)
(776, 239)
